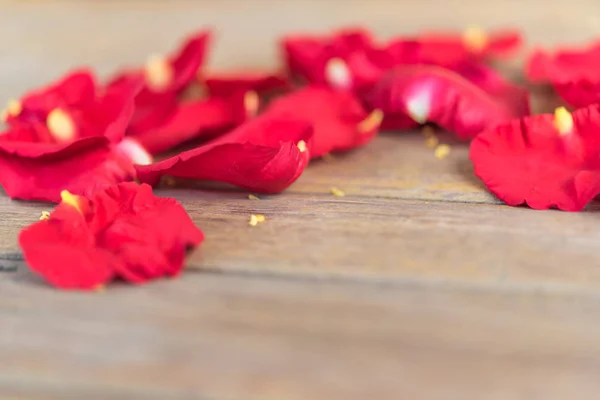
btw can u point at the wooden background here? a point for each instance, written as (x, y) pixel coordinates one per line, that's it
(417, 284)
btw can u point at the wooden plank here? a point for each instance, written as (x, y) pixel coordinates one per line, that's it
(371, 238)
(226, 337)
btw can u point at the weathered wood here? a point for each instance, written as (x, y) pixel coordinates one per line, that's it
(415, 285)
(227, 337)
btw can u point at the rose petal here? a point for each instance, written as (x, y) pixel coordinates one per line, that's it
(434, 94)
(337, 118)
(261, 155)
(535, 161)
(228, 84)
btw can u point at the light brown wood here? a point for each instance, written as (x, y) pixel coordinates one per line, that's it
(418, 284)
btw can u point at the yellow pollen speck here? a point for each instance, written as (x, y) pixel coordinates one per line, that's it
(253, 197)
(158, 72)
(336, 192)
(100, 288)
(475, 38)
(302, 146)
(14, 107)
(442, 151)
(251, 103)
(328, 157)
(371, 122)
(60, 125)
(45, 215)
(563, 120)
(432, 141)
(70, 199)
(255, 219)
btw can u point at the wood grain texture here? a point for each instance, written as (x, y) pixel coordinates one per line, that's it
(416, 285)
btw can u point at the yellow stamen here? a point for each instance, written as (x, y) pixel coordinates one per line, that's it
(475, 38)
(100, 288)
(432, 141)
(70, 199)
(45, 215)
(442, 151)
(255, 219)
(563, 120)
(158, 72)
(371, 122)
(253, 197)
(14, 107)
(60, 125)
(251, 103)
(301, 146)
(337, 192)
(328, 157)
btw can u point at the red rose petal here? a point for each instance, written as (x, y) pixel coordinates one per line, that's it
(40, 171)
(339, 120)
(434, 94)
(307, 55)
(261, 155)
(200, 118)
(541, 162)
(225, 85)
(123, 231)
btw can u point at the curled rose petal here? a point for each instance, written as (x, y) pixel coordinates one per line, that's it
(339, 120)
(228, 84)
(40, 171)
(266, 154)
(434, 94)
(122, 232)
(544, 161)
(198, 118)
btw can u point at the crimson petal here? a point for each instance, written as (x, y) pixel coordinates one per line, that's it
(262, 155)
(434, 94)
(339, 120)
(543, 161)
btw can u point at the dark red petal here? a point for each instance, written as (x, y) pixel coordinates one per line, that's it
(261, 155)
(529, 161)
(434, 94)
(338, 118)
(39, 171)
(191, 120)
(231, 83)
(64, 252)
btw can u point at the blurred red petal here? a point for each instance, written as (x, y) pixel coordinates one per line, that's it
(434, 94)
(228, 84)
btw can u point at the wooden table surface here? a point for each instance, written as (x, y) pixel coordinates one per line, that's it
(416, 285)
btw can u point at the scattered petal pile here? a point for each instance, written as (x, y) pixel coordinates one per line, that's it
(85, 144)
